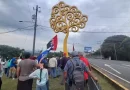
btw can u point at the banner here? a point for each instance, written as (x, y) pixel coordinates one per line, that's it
(53, 43)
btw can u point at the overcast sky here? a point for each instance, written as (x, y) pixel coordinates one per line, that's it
(103, 16)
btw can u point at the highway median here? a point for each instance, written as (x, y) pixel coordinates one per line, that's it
(114, 83)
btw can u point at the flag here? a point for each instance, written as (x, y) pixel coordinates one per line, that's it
(43, 54)
(53, 43)
(73, 48)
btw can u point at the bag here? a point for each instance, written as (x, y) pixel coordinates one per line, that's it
(9, 63)
(78, 72)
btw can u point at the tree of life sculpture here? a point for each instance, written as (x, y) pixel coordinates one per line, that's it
(65, 18)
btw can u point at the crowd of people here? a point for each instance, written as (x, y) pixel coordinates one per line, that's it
(73, 71)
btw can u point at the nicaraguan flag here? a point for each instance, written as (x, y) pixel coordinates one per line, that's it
(43, 54)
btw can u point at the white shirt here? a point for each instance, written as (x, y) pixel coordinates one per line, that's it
(53, 62)
(18, 61)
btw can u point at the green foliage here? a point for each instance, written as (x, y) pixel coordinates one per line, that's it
(118, 43)
(8, 51)
(56, 54)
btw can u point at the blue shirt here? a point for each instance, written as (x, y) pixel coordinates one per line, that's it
(12, 64)
(69, 67)
(44, 77)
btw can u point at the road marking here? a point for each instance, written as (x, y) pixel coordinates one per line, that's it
(112, 68)
(113, 74)
(126, 65)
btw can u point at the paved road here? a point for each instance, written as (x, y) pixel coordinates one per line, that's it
(119, 68)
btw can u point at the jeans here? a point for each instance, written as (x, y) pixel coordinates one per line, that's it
(58, 71)
(53, 72)
(5, 71)
(8, 71)
(47, 85)
(43, 87)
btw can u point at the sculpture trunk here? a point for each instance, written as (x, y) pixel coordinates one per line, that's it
(65, 49)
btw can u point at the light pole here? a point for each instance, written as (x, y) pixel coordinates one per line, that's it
(99, 42)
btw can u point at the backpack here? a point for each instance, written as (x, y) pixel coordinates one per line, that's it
(78, 72)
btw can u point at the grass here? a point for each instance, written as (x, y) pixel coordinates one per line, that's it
(9, 84)
(105, 85)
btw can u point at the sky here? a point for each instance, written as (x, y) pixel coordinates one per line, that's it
(103, 16)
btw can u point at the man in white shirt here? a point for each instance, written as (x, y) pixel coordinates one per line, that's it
(53, 66)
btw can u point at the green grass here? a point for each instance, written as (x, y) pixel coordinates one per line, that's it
(105, 85)
(9, 84)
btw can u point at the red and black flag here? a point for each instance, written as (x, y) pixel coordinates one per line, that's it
(53, 43)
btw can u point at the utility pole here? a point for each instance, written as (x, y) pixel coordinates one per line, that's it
(35, 27)
(115, 51)
(99, 42)
(101, 51)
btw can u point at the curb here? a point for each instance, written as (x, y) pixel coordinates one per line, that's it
(118, 85)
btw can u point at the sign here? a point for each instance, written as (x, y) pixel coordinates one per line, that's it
(87, 49)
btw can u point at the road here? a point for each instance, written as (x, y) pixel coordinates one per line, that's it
(120, 69)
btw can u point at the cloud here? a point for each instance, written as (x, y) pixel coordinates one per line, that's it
(103, 15)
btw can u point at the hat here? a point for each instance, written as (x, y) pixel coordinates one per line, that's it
(74, 53)
(64, 54)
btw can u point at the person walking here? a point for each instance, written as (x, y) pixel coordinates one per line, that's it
(85, 60)
(74, 73)
(12, 71)
(53, 66)
(58, 66)
(5, 67)
(64, 60)
(8, 69)
(24, 69)
(42, 77)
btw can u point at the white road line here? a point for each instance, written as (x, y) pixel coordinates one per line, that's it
(126, 65)
(112, 68)
(113, 74)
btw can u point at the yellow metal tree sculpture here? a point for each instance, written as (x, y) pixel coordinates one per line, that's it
(65, 18)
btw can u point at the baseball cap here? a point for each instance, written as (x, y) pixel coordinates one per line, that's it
(74, 53)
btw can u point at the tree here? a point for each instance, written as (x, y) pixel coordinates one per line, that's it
(9, 52)
(65, 18)
(118, 44)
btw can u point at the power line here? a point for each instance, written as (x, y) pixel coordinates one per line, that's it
(15, 30)
(100, 32)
